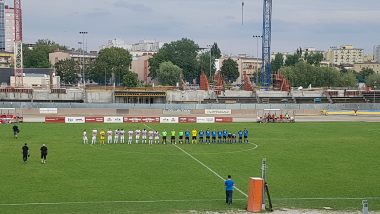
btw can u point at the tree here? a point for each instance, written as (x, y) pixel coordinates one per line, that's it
(38, 56)
(348, 79)
(130, 79)
(291, 60)
(277, 63)
(204, 64)
(112, 63)
(169, 74)
(230, 71)
(373, 80)
(314, 58)
(364, 74)
(68, 70)
(303, 74)
(215, 51)
(182, 53)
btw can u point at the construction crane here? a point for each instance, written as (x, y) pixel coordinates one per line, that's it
(266, 44)
(18, 65)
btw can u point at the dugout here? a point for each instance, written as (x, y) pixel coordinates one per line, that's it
(275, 116)
(10, 115)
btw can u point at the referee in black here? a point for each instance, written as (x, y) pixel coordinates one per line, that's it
(25, 152)
(44, 152)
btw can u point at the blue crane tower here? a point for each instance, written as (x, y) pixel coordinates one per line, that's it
(266, 44)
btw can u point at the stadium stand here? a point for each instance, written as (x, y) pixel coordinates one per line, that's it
(372, 96)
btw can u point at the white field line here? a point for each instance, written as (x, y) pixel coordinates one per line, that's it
(169, 201)
(217, 175)
(327, 198)
(113, 202)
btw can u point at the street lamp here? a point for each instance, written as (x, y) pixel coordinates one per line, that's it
(257, 57)
(210, 46)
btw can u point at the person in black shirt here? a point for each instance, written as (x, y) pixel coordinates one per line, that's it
(15, 130)
(44, 152)
(25, 152)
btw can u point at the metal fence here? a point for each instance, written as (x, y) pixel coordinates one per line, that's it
(237, 106)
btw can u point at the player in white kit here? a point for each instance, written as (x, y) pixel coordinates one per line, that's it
(156, 137)
(144, 135)
(130, 136)
(116, 137)
(109, 136)
(150, 134)
(137, 132)
(122, 133)
(85, 139)
(94, 133)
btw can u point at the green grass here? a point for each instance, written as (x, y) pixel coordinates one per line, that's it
(305, 160)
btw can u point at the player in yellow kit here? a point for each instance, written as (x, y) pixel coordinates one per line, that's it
(102, 136)
(194, 136)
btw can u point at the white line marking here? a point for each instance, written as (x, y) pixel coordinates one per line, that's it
(243, 193)
(178, 200)
(217, 175)
(147, 126)
(113, 202)
(337, 198)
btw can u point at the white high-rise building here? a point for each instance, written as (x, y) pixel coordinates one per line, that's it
(344, 55)
(9, 22)
(376, 53)
(143, 46)
(118, 43)
(2, 27)
(147, 46)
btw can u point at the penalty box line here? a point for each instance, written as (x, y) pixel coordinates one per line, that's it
(204, 165)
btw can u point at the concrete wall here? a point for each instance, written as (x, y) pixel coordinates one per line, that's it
(186, 96)
(99, 96)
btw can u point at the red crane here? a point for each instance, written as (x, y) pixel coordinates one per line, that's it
(18, 65)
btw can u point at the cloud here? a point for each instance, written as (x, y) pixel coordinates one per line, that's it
(97, 12)
(136, 7)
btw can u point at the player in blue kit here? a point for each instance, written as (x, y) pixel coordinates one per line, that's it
(225, 136)
(213, 136)
(208, 134)
(220, 135)
(201, 134)
(245, 132)
(187, 136)
(240, 133)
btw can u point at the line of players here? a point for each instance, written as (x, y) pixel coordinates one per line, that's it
(153, 137)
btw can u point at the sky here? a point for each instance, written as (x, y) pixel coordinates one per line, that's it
(295, 23)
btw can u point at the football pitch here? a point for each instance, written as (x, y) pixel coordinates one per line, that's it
(310, 166)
